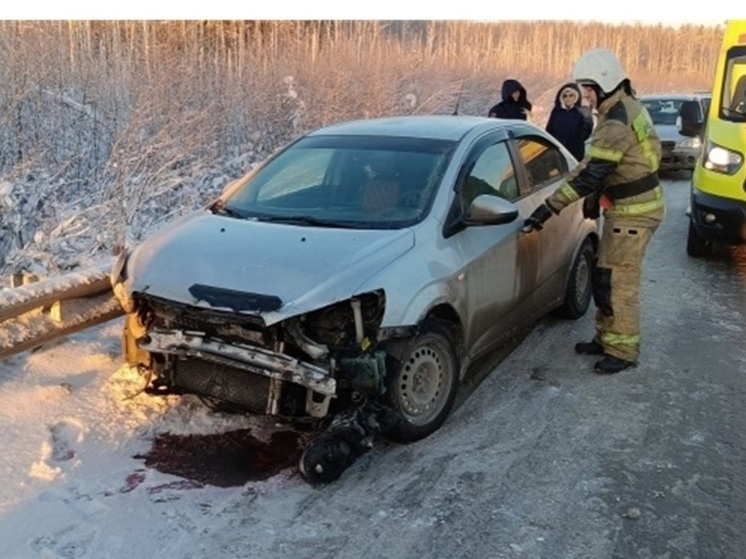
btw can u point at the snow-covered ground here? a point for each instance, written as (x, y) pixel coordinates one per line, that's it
(75, 428)
(72, 486)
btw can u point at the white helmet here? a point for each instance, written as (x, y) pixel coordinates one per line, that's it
(601, 67)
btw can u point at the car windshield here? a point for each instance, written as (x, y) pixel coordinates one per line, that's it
(663, 111)
(344, 181)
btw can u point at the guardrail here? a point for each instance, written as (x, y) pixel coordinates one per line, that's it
(35, 313)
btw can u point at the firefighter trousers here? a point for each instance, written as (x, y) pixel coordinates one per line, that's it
(616, 282)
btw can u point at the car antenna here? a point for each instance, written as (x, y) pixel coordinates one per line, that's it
(460, 93)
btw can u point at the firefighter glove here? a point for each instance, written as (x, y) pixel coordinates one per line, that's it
(591, 207)
(536, 220)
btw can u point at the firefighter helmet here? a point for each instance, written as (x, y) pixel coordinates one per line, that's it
(599, 66)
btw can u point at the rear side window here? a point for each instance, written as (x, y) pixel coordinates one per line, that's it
(543, 161)
(733, 98)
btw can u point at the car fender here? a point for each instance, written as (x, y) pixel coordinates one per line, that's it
(412, 291)
(421, 303)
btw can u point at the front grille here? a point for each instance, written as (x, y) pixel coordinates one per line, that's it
(668, 146)
(188, 317)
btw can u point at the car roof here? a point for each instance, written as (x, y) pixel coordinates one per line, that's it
(685, 96)
(439, 127)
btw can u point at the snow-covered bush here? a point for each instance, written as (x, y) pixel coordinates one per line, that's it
(108, 129)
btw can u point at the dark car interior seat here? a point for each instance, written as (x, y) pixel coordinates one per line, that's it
(380, 195)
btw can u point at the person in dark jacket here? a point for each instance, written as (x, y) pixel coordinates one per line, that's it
(569, 121)
(514, 102)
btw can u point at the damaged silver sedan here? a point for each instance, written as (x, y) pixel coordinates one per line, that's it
(353, 277)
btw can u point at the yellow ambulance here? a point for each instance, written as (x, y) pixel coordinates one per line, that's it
(718, 196)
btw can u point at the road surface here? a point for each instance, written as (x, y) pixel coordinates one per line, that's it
(543, 460)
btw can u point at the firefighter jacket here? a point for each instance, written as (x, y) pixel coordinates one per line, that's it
(621, 164)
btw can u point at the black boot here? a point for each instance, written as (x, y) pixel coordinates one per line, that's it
(610, 365)
(589, 348)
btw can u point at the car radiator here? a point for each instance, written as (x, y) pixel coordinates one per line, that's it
(226, 383)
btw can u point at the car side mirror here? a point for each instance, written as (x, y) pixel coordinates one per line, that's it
(487, 209)
(689, 121)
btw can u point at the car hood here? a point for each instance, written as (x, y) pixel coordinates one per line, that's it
(668, 133)
(304, 267)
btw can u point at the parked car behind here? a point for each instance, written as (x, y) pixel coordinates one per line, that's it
(679, 153)
(353, 277)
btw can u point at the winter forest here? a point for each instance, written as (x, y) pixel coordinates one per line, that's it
(108, 129)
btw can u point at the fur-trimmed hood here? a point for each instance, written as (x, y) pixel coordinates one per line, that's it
(558, 97)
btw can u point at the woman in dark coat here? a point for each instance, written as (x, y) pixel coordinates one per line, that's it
(569, 121)
(514, 103)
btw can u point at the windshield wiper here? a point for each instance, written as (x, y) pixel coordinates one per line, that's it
(219, 207)
(304, 220)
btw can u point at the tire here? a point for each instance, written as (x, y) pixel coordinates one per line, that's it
(579, 288)
(421, 388)
(696, 246)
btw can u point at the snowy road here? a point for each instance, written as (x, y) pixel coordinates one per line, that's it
(543, 460)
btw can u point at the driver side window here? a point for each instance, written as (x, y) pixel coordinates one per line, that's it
(492, 174)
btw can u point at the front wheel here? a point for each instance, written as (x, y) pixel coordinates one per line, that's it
(696, 246)
(578, 292)
(422, 387)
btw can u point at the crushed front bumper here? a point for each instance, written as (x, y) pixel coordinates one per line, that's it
(266, 363)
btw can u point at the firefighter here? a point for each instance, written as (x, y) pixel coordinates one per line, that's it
(620, 173)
